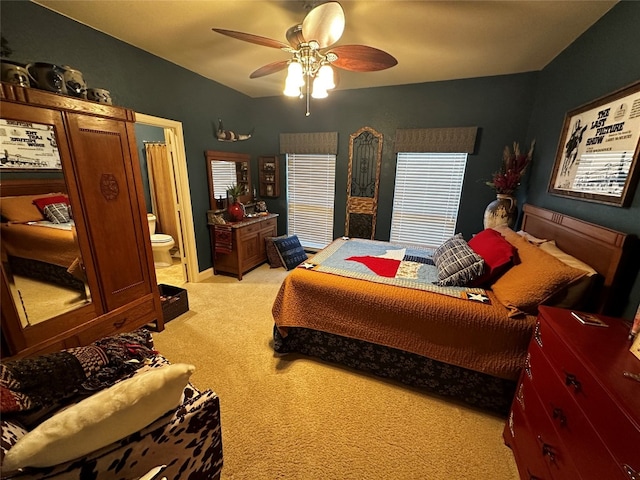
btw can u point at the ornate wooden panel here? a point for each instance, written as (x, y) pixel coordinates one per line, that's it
(365, 161)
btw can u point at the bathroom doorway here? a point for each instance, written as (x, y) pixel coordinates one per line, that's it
(169, 133)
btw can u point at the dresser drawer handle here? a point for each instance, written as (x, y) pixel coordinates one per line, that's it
(559, 415)
(631, 473)
(527, 366)
(532, 476)
(120, 323)
(547, 450)
(537, 335)
(572, 381)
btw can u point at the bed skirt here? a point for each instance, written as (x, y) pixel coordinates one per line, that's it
(473, 388)
(45, 272)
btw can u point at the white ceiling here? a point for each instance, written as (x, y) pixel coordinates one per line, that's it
(432, 40)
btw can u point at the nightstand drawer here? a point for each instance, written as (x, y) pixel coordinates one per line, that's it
(570, 422)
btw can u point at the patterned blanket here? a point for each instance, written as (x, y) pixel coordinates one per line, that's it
(388, 263)
(32, 387)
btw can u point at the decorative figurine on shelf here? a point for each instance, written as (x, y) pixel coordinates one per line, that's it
(219, 203)
(229, 136)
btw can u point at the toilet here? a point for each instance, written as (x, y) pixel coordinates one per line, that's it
(160, 244)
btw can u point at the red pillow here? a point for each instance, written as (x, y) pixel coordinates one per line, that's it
(44, 201)
(496, 252)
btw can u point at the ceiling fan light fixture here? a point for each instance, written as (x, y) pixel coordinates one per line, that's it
(295, 74)
(321, 28)
(326, 74)
(291, 90)
(319, 90)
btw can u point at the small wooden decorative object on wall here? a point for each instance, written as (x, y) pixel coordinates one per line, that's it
(365, 161)
(269, 173)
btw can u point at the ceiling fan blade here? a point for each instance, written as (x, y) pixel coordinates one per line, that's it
(361, 58)
(269, 69)
(248, 37)
(294, 36)
(324, 24)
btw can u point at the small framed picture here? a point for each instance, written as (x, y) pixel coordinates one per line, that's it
(589, 319)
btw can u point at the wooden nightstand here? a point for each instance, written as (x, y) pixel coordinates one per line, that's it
(575, 415)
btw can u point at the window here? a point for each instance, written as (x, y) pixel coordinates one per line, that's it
(426, 197)
(310, 198)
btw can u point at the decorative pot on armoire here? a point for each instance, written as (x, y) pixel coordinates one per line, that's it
(97, 264)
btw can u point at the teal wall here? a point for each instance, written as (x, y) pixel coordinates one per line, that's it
(604, 59)
(484, 102)
(505, 108)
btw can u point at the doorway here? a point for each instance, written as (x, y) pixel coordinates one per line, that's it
(186, 255)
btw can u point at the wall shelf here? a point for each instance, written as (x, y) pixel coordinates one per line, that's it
(269, 176)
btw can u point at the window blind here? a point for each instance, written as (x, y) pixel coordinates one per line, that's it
(426, 197)
(310, 198)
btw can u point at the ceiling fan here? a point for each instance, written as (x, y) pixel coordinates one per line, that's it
(312, 56)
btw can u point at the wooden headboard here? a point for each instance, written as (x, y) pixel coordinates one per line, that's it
(9, 188)
(610, 253)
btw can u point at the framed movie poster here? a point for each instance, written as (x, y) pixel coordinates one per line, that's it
(28, 146)
(597, 153)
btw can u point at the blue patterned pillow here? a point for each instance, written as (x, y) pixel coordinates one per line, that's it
(290, 251)
(457, 263)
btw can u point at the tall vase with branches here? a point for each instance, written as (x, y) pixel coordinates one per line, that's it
(503, 210)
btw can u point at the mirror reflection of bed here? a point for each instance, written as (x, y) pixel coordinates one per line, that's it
(44, 298)
(41, 259)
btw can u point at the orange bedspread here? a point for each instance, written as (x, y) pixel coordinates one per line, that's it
(460, 332)
(48, 245)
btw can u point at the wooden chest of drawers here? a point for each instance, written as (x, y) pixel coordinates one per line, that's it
(575, 415)
(248, 248)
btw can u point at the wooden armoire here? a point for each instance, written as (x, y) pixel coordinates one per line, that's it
(101, 175)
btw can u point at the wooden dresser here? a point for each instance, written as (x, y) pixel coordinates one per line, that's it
(575, 415)
(247, 244)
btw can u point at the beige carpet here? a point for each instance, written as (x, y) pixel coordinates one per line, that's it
(297, 418)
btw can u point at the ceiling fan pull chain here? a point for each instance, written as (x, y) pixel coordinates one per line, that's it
(307, 85)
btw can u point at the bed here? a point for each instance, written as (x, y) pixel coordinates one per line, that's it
(466, 342)
(38, 239)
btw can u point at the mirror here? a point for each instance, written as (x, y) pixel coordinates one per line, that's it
(225, 169)
(40, 259)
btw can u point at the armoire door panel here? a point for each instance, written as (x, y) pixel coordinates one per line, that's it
(108, 188)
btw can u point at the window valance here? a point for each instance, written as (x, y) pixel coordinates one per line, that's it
(436, 140)
(319, 142)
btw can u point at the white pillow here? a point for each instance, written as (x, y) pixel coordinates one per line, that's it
(101, 419)
(575, 294)
(531, 239)
(551, 248)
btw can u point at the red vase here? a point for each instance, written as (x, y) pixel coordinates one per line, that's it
(236, 211)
